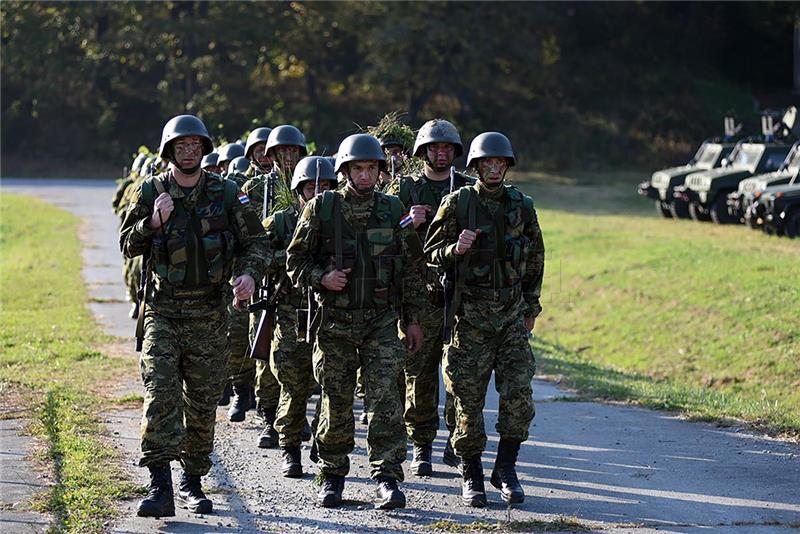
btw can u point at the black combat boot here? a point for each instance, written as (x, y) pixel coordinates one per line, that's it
(473, 492)
(191, 495)
(421, 464)
(504, 474)
(389, 495)
(160, 500)
(330, 494)
(292, 466)
(240, 405)
(268, 439)
(225, 398)
(449, 455)
(306, 434)
(363, 418)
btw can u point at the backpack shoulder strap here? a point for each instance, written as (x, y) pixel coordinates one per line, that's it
(231, 188)
(465, 208)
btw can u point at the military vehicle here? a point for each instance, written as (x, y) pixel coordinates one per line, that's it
(707, 192)
(777, 210)
(711, 154)
(739, 201)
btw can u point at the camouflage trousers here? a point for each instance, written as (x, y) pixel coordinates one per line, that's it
(242, 368)
(180, 363)
(345, 340)
(267, 388)
(489, 336)
(290, 361)
(422, 382)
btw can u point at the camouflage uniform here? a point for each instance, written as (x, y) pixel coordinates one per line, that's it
(267, 388)
(358, 326)
(500, 280)
(131, 267)
(185, 344)
(422, 369)
(290, 358)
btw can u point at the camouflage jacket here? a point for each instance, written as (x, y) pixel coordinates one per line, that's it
(387, 270)
(212, 237)
(508, 252)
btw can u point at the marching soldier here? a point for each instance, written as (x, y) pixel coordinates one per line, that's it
(284, 147)
(197, 232)
(487, 237)
(290, 358)
(353, 248)
(437, 144)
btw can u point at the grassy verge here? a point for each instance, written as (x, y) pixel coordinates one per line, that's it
(560, 524)
(50, 360)
(679, 315)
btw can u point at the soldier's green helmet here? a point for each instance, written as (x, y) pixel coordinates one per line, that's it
(437, 131)
(286, 134)
(230, 152)
(307, 168)
(209, 160)
(181, 126)
(490, 145)
(138, 162)
(238, 164)
(360, 147)
(259, 135)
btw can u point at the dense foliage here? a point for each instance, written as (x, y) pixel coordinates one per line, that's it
(594, 84)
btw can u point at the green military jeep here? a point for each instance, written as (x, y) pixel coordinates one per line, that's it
(711, 154)
(707, 191)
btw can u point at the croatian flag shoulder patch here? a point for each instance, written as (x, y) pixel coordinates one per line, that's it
(243, 199)
(406, 220)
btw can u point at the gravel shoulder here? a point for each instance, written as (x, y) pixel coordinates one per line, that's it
(614, 468)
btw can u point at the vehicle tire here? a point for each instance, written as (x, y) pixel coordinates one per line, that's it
(792, 227)
(662, 211)
(696, 214)
(719, 211)
(679, 209)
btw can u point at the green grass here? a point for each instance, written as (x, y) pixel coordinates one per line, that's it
(560, 524)
(679, 315)
(49, 357)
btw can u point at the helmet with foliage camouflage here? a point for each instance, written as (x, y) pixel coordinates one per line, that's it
(259, 135)
(286, 134)
(490, 145)
(360, 147)
(230, 151)
(307, 169)
(182, 126)
(391, 131)
(209, 160)
(138, 162)
(239, 164)
(437, 131)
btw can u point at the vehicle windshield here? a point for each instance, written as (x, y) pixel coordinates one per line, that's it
(746, 155)
(707, 155)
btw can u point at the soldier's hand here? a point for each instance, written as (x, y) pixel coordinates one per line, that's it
(419, 214)
(530, 322)
(335, 280)
(465, 241)
(164, 206)
(413, 338)
(243, 287)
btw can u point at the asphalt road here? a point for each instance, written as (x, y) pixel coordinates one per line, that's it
(613, 468)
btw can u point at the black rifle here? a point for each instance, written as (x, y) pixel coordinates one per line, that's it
(141, 294)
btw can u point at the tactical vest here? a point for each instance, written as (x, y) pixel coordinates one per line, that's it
(417, 190)
(374, 255)
(497, 258)
(195, 249)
